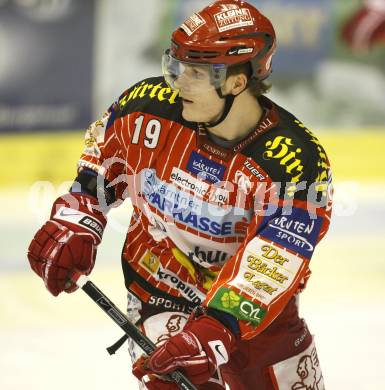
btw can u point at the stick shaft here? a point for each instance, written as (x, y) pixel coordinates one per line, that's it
(127, 326)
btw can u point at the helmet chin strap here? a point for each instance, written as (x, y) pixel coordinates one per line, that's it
(229, 100)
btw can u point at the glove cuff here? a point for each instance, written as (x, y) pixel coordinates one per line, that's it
(216, 340)
(80, 211)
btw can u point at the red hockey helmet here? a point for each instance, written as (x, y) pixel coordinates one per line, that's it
(225, 33)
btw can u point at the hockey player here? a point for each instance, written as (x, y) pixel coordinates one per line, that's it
(230, 195)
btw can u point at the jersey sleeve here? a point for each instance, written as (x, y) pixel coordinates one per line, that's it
(104, 153)
(272, 264)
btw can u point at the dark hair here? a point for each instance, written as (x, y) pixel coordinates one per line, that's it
(255, 86)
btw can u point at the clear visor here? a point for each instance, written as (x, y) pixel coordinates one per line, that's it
(192, 76)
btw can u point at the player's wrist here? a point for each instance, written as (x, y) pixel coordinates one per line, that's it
(226, 319)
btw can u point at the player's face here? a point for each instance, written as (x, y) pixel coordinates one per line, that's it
(196, 83)
(201, 102)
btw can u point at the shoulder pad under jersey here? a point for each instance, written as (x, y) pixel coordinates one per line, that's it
(153, 96)
(290, 152)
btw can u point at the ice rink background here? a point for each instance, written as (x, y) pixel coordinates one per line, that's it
(59, 343)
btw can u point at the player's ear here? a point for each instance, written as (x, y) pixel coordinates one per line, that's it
(237, 83)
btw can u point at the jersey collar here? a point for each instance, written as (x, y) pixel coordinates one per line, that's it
(268, 120)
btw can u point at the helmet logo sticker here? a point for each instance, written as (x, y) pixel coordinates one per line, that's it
(233, 18)
(239, 50)
(190, 25)
(228, 7)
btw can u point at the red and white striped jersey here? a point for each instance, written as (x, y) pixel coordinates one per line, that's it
(228, 228)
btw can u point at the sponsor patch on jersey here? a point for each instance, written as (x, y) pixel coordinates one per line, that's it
(216, 195)
(150, 262)
(204, 255)
(194, 213)
(219, 196)
(233, 18)
(205, 169)
(169, 304)
(288, 154)
(189, 291)
(266, 271)
(185, 180)
(243, 309)
(297, 231)
(253, 170)
(160, 92)
(95, 135)
(190, 25)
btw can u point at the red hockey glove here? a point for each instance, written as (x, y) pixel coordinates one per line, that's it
(151, 381)
(366, 27)
(67, 242)
(202, 346)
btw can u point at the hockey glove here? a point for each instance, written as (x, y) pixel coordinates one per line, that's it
(153, 381)
(202, 346)
(67, 241)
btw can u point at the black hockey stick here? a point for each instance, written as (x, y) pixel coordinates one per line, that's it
(128, 327)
